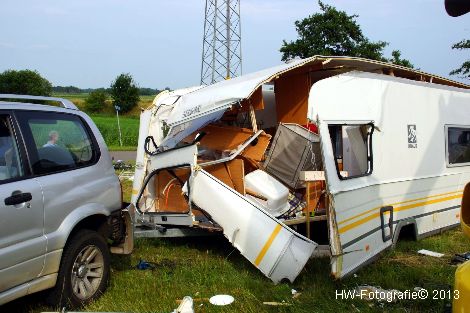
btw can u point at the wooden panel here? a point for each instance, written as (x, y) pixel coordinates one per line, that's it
(257, 151)
(292, 98)
(256, 100)
(169, 190)
(170, 197)
(237, 173)
(223, 138)
(230, 173)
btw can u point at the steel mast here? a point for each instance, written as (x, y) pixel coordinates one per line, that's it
(221, 51)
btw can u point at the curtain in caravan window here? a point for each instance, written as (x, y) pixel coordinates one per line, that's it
(355, 151)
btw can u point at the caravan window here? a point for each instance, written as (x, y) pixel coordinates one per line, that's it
(352, 148)
(458, 145)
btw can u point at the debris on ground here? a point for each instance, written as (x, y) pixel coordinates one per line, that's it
(186, 306)
(144, 265)
(460, 258)
(431, 253)
(194, 300)
(164, 263)
(272, 303)
(221, 300)
(295, 294)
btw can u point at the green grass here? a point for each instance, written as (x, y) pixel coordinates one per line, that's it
(109, 130)
(107, 122)
(206, 266)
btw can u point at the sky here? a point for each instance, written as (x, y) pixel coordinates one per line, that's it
(87, 43)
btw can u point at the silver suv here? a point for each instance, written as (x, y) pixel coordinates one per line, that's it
(60, 203)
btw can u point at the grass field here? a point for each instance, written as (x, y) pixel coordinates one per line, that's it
(107, 121)
(206, 266)
(109, 129)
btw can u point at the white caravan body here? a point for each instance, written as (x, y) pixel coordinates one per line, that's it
(410, 183)
(393, 154)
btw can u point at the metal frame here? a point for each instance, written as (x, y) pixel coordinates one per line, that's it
(221, 52)
(67, 104)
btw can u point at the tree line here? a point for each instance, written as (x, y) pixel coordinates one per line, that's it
(76, 90)
(124, 92)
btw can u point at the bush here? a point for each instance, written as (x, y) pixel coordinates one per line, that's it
(124, 92)
(24, 82)
(96, 101)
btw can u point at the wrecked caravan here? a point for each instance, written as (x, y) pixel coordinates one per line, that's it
(330, 154)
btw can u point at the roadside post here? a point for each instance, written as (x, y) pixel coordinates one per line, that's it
(118, 108)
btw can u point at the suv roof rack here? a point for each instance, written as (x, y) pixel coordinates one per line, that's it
(63, 102)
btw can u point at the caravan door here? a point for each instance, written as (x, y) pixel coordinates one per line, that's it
(359, 227)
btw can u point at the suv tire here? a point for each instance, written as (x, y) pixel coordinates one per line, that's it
(84, 270)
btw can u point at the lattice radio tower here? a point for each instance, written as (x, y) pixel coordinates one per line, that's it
(221, 51)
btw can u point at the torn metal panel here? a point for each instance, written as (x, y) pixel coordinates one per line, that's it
(275, 249)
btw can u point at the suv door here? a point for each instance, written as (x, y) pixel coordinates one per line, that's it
(64, 157)
(22, 240)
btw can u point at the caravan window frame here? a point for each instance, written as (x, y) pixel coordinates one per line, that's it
(446, 136)
(370, 154)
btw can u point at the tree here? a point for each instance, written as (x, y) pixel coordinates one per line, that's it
(334, 32)
(96, 101)
(24, 82)
(464, 69)
(124, 92)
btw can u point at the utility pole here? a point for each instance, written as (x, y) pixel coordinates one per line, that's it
(221, 51)
(118, 108)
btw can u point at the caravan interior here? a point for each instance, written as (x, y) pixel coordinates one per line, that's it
(270, 140)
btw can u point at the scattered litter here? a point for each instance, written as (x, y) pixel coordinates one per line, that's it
(164, 263)
(221, 300)
(295, 294)
(194, 300)
(370, 293)
(186, 306)
(431, 253)
(126, 175)
(460, 258)
(144, 265)
(277, 303)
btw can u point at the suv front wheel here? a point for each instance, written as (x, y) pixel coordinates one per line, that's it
(84, 270)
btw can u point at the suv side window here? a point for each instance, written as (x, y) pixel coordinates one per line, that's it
(10, 162)
(57, 142)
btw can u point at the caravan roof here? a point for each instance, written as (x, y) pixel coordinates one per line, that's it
(196, 107)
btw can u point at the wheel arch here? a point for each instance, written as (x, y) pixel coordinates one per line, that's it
(408, 225)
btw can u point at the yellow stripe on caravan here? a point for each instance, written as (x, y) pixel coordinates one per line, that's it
(393, 204)
(402, 208)
(268, 244)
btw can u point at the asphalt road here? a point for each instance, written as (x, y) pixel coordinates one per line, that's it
(125, 156)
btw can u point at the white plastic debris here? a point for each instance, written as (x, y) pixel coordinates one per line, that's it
(186, 306)
(431, 253)
(221, 300)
